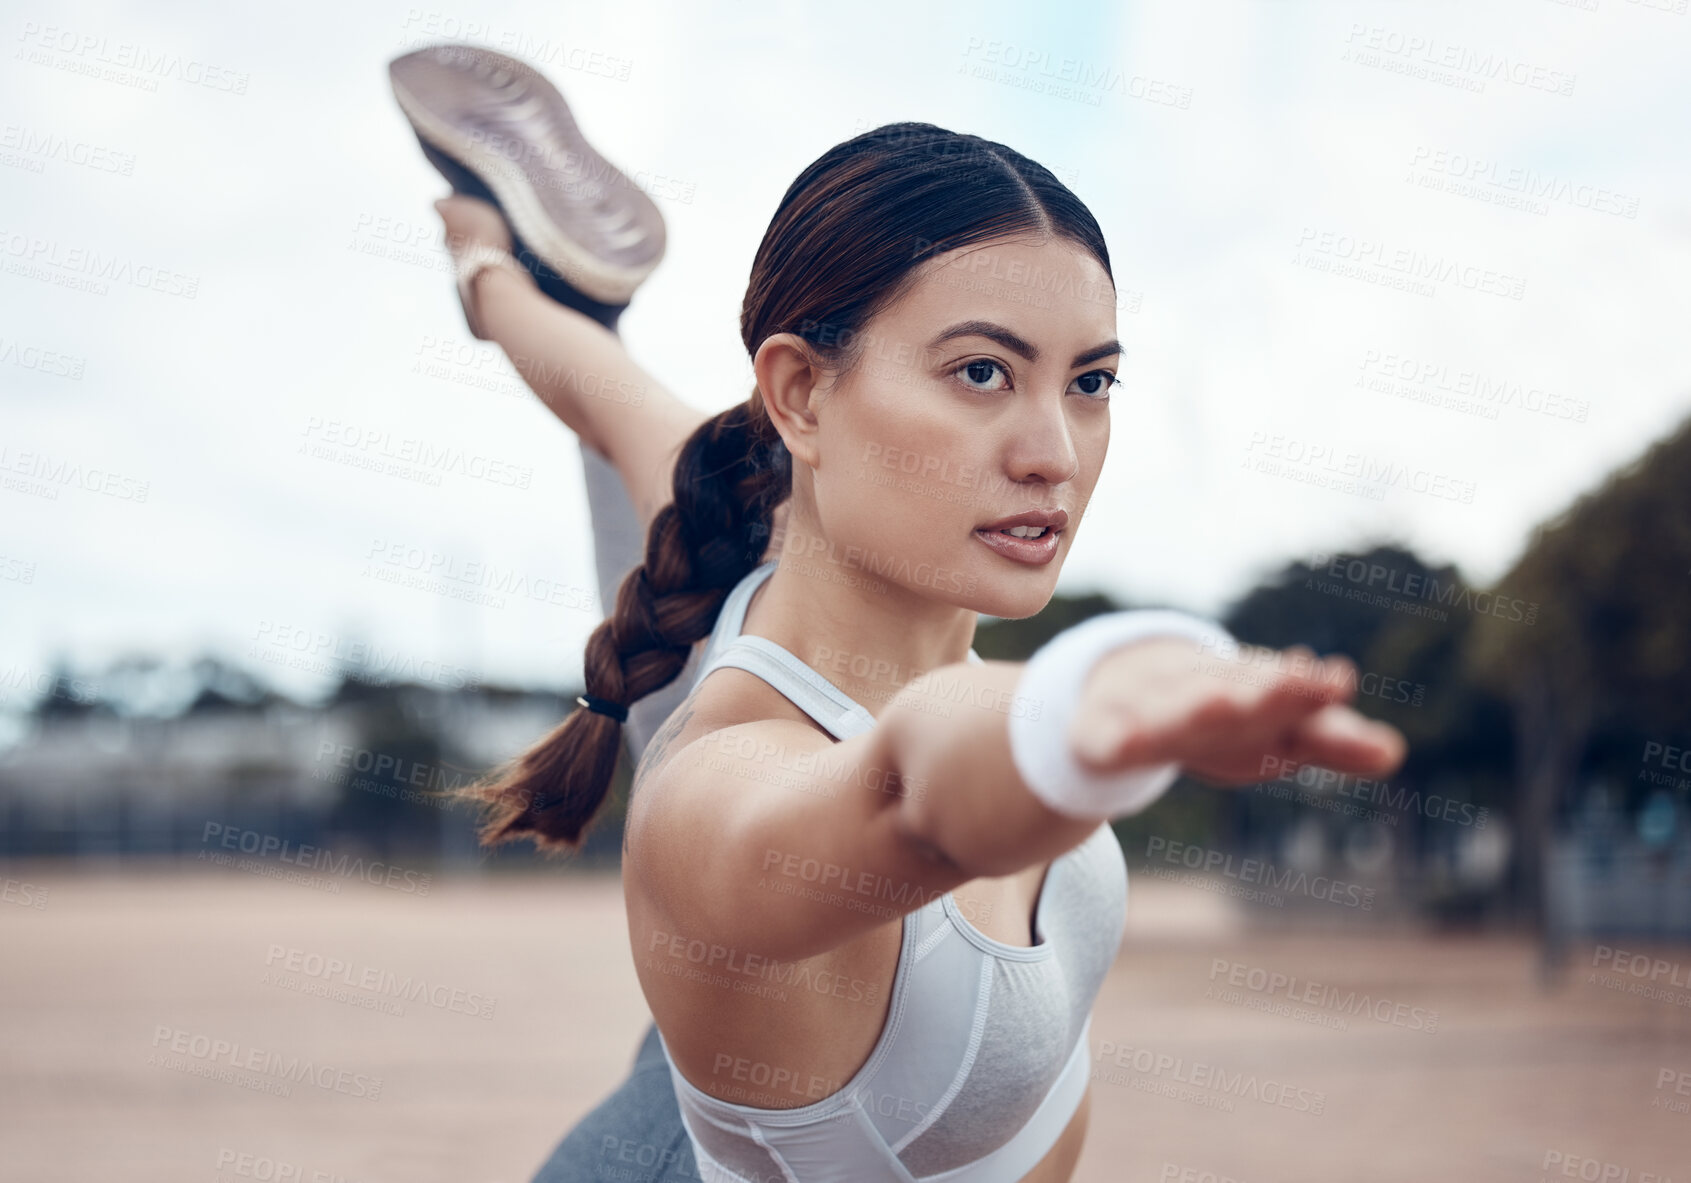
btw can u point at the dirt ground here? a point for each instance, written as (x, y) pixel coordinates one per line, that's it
(143, 1015)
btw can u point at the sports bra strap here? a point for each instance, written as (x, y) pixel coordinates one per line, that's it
(808, 690)
(813, 694)
(732, 618)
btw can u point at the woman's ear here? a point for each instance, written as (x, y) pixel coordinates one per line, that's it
(789, 375)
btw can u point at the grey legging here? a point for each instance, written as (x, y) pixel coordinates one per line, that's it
(634, 1135)
(618, 547)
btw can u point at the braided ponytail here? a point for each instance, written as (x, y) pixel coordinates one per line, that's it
(730, 475)
(847, 239)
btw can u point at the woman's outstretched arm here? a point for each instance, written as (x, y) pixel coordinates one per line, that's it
(771, 838)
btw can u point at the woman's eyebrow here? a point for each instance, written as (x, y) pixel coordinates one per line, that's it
(1014, 343)
(1096, 353)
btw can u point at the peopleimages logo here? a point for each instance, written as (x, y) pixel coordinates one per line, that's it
(1270, 985)
(1398, 798)
(1262, 873)
(22, 893)
(201, 1055)
(722, 965)
(1048, 282)
(1561, 1164)
(853, 560)
(147, 64)
(1424, 585)
(1460, 63)
(282, 961)
(1198, 1074)
(1640, 965)
(315, 858)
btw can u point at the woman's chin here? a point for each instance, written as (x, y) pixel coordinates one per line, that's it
(1008, 602)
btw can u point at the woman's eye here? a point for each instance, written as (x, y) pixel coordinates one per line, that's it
(1097, 383)
(982, 371)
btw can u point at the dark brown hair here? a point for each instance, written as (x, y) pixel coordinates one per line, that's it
(845, 242)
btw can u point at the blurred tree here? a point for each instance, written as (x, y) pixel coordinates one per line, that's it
(396, 761)
(1403, 622)
(1312, 603)
(66, 694)
(1610, 649)
(225, 686)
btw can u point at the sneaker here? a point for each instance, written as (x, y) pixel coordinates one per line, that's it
(498, 130)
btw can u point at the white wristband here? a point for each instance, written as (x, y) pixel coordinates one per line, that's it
(1050, 689)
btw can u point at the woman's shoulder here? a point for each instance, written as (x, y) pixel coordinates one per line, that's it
(724, 698)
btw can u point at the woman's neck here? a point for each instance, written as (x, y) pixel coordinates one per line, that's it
(867, 635)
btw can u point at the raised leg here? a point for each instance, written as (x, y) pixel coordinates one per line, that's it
(584, 375)
(579, 369)
(629, 428)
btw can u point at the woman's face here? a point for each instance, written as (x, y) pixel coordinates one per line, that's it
(981, 394)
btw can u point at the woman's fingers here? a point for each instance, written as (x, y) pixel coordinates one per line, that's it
(1221, 719)
(1221, 722)
(1339, 738)
(1264, 694)
(469, 220)
(1288, 705)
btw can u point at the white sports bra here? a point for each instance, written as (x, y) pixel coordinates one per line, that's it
(983, 1057)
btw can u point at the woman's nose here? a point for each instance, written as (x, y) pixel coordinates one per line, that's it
(1042, 447)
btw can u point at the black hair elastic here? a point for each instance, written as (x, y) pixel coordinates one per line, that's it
(604, 706)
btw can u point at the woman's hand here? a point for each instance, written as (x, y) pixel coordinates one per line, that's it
(1223, 718)
(472, 223)
(470, 220)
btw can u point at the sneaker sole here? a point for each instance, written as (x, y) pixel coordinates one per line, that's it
(549, 281)
(579, 214)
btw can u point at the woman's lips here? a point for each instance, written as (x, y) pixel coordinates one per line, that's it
(1033, 551)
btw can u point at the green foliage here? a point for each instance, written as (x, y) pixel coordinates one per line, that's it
(1613, 575)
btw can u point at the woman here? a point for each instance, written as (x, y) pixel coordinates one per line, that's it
(871, 888)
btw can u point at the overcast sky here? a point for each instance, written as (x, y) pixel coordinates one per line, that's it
(217, 242)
